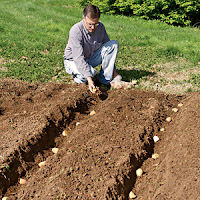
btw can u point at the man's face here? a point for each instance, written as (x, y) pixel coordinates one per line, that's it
(91, 24)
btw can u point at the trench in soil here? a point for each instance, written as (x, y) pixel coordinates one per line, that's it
(23, 161)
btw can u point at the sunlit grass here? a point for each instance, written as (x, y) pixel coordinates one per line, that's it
(33, 35)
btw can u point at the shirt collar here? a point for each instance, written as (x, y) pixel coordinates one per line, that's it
(85, 27)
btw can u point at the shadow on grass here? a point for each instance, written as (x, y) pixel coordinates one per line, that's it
(128, 75)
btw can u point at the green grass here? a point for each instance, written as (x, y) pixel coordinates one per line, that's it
(37, 30)
(195, 79)
(150, 51)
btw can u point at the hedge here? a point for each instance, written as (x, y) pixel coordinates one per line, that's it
(175, 12)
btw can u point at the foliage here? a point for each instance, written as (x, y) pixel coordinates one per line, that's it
(176, 12)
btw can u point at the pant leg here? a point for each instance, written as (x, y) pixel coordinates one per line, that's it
(105, 55)
(71, 68)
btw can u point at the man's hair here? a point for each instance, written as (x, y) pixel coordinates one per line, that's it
(91, 11)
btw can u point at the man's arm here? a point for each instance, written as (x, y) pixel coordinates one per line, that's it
(75, 42)
(78, 57)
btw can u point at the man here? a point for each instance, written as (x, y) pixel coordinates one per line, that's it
(89, 46)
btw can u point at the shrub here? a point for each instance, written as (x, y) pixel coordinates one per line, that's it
(176, 12)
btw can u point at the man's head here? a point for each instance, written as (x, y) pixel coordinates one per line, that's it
(91, 15)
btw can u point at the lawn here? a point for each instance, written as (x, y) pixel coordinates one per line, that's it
(34, 35)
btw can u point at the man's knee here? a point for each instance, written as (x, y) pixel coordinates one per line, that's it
(114, 43)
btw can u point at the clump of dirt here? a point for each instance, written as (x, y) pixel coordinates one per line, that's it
(98, 157)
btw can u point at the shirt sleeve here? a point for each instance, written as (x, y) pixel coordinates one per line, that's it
(76, 41)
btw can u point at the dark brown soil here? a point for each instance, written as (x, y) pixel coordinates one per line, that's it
(98, 158)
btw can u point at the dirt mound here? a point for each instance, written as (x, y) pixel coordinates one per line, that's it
(176, 174)
(98, 157)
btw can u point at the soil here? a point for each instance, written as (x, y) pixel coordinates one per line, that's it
(100, 154)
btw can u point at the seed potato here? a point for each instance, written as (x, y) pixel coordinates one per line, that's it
(132, 195)
(175, 110)
(139, 172)
(55, 150)
(155, 156)
(64, 133)
(92, 113)
(42, 164)
(168, 119)
(22, 181)
(155, 138)
(180, 105)
(6, 198)
(77, 123)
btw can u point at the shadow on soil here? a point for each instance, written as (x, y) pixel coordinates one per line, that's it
(129, 75)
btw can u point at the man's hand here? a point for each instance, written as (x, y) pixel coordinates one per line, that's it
(91, 84)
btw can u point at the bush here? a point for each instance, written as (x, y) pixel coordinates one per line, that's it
(176, 12)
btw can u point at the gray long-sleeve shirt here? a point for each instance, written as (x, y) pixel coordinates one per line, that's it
(82, 45)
